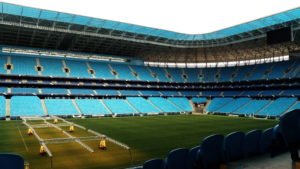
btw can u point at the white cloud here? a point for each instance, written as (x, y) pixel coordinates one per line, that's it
(186, 16)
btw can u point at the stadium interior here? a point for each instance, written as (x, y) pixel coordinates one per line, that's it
(56, 65)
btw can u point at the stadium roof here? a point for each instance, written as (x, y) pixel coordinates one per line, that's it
(45, 29)
(280, 18)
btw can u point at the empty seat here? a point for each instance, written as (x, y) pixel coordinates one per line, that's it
(289, 124)
(266, 141)
(210, 155)
(154, 164)
(11, 161)
(252, 143)
(178, 159)
(233, 146)
(192, 157)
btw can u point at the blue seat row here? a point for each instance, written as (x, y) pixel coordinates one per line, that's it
(216, 150)
(24, 65)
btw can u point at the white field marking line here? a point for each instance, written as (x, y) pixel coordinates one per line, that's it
(23, 139)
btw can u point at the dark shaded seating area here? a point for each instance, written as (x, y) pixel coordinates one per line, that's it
(217, 151)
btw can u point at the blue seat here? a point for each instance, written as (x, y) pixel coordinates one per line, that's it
(11, 161)
(154, 164)
(192, 158)
(177, 159)
(278, 143)
(233, 146)
(210, 155)
(266, 141)
(251, 143)
(290, 128)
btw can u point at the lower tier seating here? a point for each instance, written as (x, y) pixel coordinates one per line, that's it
(26, 106)
(119, 106)
(60, 107)
(165, 105)
(247, 106)
(143, 105)
(92, 107)
(34, 106)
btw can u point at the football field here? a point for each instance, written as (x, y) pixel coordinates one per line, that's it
(148, 137)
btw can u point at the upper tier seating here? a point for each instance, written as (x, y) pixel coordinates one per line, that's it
(270, 92)
(143, 105)
(279, 70)
(217, 103)
(81, 91)
(190, 93)
(165, 105)
(107, 92)
(60, 107)
(242, 73)
(176, 74)
(291, 92)
(251, 93)
(160, 73)
(129, 92)
(210, 93)
(26, 106)
(52, 67)
(24, 90)
(193, 75)
(123, 72)
(169, 93)
(231, 93)
(18, 63)
(102, 70)
(78, 69)
(54, 91)
(277, 107)
(182, 102)
(295, 70)
(150, 93)
(227, 74)
(259, 72)
(91, 107)
(119, 106)
(63, 67)
(3, 89)
(209, 75)
(143, 73)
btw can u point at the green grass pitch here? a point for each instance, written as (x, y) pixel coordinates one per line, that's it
(148, 137)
